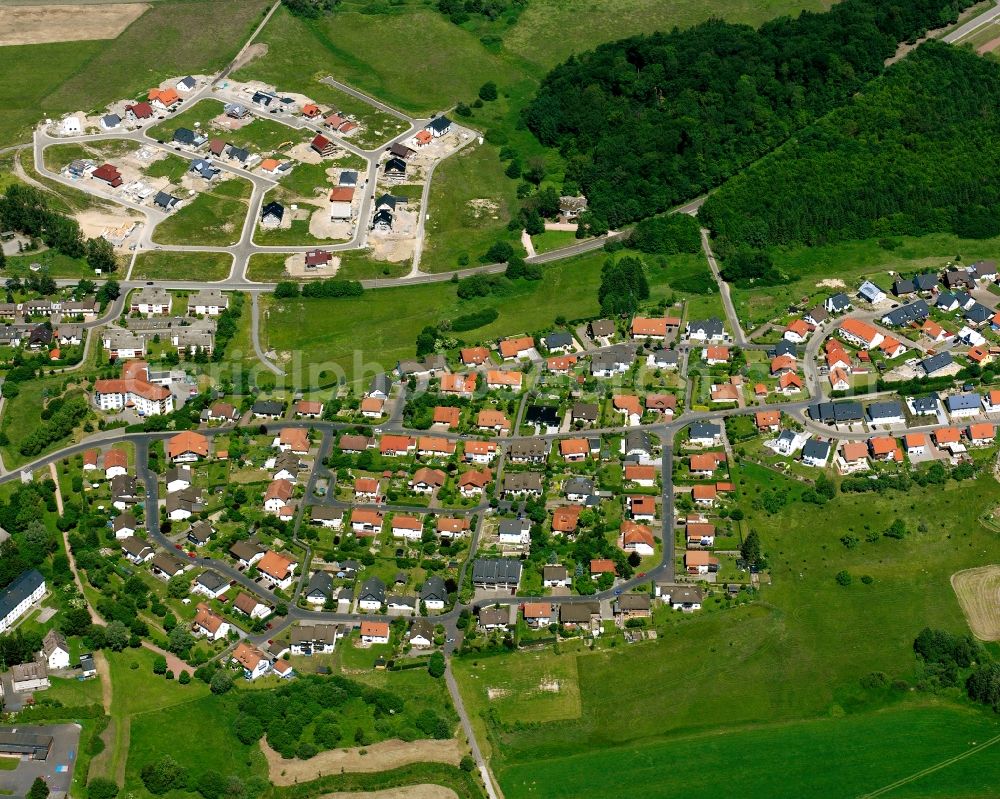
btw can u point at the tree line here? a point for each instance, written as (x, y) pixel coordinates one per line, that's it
(649, 121)
(916, 152)
(26, 210)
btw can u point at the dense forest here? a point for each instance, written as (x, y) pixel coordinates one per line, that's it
(650, 121)
(916, 152)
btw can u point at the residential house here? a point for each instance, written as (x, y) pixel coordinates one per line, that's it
(209, 624)
(254, 662)
(514, 532)
(496, 574)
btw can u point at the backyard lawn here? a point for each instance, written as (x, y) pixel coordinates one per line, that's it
(214, 218)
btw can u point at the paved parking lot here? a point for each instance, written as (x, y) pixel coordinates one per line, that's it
(56, 770)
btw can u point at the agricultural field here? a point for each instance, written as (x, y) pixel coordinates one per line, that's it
(165, 265)
(978, 592)
(803, 649)
(172, 38)
(214, 218)
(832, 757)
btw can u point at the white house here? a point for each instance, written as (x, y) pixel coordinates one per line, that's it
(409, 528)
(55, 650)
(19, 596)
(254, 662)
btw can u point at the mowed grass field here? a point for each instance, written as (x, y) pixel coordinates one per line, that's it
(173, 38)
(821, 758)
(797, 655)
(165, 265)
(214, 218)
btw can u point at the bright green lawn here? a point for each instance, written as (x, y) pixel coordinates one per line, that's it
(415, 60)
(55, 264)
(214, 217)
(852, 262)
(553, 240)
(536, 688)
(173, 168)
(820, 758)
(164, 265)
(59, 155)
(48, 65)
(75, 693)
(470, 204)
(267, 267)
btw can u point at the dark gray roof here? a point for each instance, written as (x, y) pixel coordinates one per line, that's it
(587, 411)
(395, 165)
(704, 430)
(268, 408)
(925, 405)
(165, 200)
(239, 153)
(493, 571)
(637, 440)
(838, 302)
(963, 402)
(320, 583)
(836, 412)
(211, 580)
(579, 485)
(925, 282)
(785, 347)
(934, 363)
(514, 526)
(946, 299)
(19, 590)
(816, 449)
(978, 313)
(710, 327)
(275, 209)
(888, 409)
(372, 588)
(440, 124)
(558, 338)
(434, 589)
(915, 311)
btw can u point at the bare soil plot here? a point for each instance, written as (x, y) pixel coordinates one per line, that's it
(377, 757)
(66, 23)
(95, 222)
(425, 791)
(978, 592)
